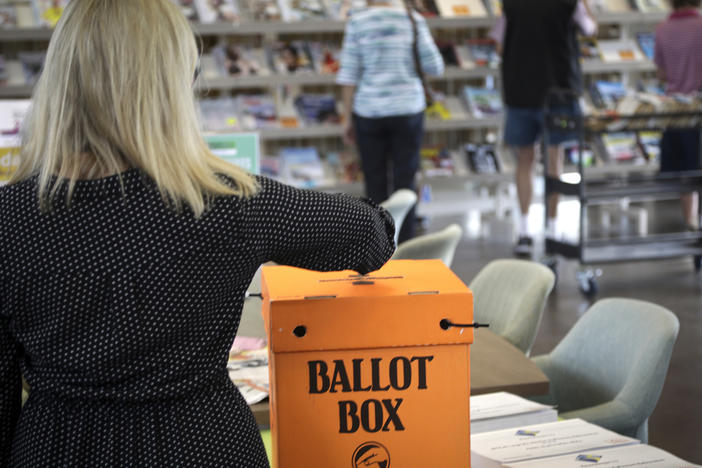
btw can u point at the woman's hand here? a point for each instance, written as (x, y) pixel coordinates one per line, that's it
(349, 133)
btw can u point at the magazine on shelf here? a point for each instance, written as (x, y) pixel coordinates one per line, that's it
(219, 115)
(48, 12)
(340, 10)
(481, 159)
(620, 147)
(302, 167)
(651, 6)
(463, 56)
(483, 102)
(541, 441)
(257, 111)
(263, 10)
(187, 7)
(237, 60)
(317, 109)
(8, 16)
(611, 6)
(301, 10)
(495, 7)
(325, 57)
(344, 166)
(458, 8)
(288, 58)
(436, 161)
(588, 48)
(248, 370)
(502, 410)
(12, 114)
(647, 43)
(638, 455)
(32, 64)
(619, 50)
(650, 145)
(571, 154)
(217, 11)
(607, 94)
(483, 52)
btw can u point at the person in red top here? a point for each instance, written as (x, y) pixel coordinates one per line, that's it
(678, 55)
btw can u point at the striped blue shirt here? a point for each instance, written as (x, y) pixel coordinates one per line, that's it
(377, 58)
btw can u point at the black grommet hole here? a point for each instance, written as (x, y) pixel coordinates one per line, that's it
(300, 331)
(444, 324)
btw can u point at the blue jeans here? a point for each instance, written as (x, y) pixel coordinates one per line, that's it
(524, 126)
(389, 149)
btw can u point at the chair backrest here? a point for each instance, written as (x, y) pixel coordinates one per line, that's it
(510, 295)
(619, 350)
(441, 245)
(398, 205)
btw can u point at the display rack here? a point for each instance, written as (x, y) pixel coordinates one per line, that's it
(614, 187)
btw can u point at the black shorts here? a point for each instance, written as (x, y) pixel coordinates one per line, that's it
(680, 150)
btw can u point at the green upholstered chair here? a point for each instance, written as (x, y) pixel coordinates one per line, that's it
(510, 296)
(610, 367)
(441, 245)
(398, 205)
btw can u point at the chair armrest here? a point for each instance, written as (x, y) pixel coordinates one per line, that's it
(613, 415)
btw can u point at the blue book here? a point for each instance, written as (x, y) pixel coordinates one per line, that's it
(647, 42)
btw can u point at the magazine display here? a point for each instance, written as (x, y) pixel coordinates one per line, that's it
(607, 94)
(482, 159)
(647, 42)
(317, 109)
(620, 147)
(263, 10)
(187, 7)
(340, 10)
(48, 12)
(483, 52)
(436, 161)
(12, 114)
(611, 6)
(483, 102)
(219, 115)
(288, 58)
(217, 11)
(651, 6)
(458, 8)
(301, 10)
(235, 60)
(325, 57)
(616, 51)
(257, 111)
(8, 16)
(572, 151)
(302, 167)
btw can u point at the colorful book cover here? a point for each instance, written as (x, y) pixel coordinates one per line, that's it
(317, 108)
(619, 50)
(647, 42)
(621, 147)
(483, 52)
(264, 10)
(187, 7)
(482, 159)
(299, 10)
(571, 152)
(588, 48)
(217, 11)
(341, 10)
(325, 56)
(301, 167)
(257, 111)
(290, 58)
(8, 16)
(219, 115)
(48, 12)
(483, 102)
(236, 60)
(458, 8)
(12, 114)
(651, 6)
(436, 161)
(607, 94)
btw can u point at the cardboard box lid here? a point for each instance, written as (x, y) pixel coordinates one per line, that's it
(402, 304)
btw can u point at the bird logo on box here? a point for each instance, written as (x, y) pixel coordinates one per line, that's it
(523, 432)
(589, 458)
(371, 455)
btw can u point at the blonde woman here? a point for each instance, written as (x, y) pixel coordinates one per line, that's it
(127, 249)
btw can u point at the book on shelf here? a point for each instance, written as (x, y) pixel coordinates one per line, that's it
(483, 52)
(620, 147)
(461, 8)
(48, 12)
(270, 166)
(288, 58)
(436, 161)
(611, 6)
(301, 10)
(217, 11)
(650, 145)
(32, 64)
(219, 115)
(619, 50)
(647, 43)
(237, 60)
(302, 167)
(651, 6)
(257, 111)
(607, 94)
(637, 455)
(572, 152)
(483, 102)
(263, 10)
(325, 57)
(317, 109)
(8, 16)
(287, 110)
(481, 159)
(187, 7)
(12, 114)
(456, 108)
(502, 410)
(588, 48)
(540, 442)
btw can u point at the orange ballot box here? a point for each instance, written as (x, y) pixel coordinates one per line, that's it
(366, 371)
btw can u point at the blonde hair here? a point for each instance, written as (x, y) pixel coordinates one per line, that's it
(116, 91)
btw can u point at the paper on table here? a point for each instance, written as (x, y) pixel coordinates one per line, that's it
(249, 372)
(496, 405)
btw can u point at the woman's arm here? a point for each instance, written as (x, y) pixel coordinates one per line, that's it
(429, 55)
(10, 388)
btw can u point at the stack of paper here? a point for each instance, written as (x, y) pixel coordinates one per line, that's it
(495, 449)
(502, 410)
(640, 456)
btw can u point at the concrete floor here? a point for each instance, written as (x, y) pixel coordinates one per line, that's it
(676, 423)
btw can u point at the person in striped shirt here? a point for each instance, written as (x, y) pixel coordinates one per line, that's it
(384, 98)
(678, 55)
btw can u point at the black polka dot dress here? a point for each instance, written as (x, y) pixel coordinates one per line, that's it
(120, 312)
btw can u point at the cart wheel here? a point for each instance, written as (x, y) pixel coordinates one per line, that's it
(587, 283)
(697, 259)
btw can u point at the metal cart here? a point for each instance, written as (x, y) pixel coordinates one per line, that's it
(613, 187)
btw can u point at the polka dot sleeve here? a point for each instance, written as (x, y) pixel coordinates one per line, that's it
(317, 231)
(10, 388)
